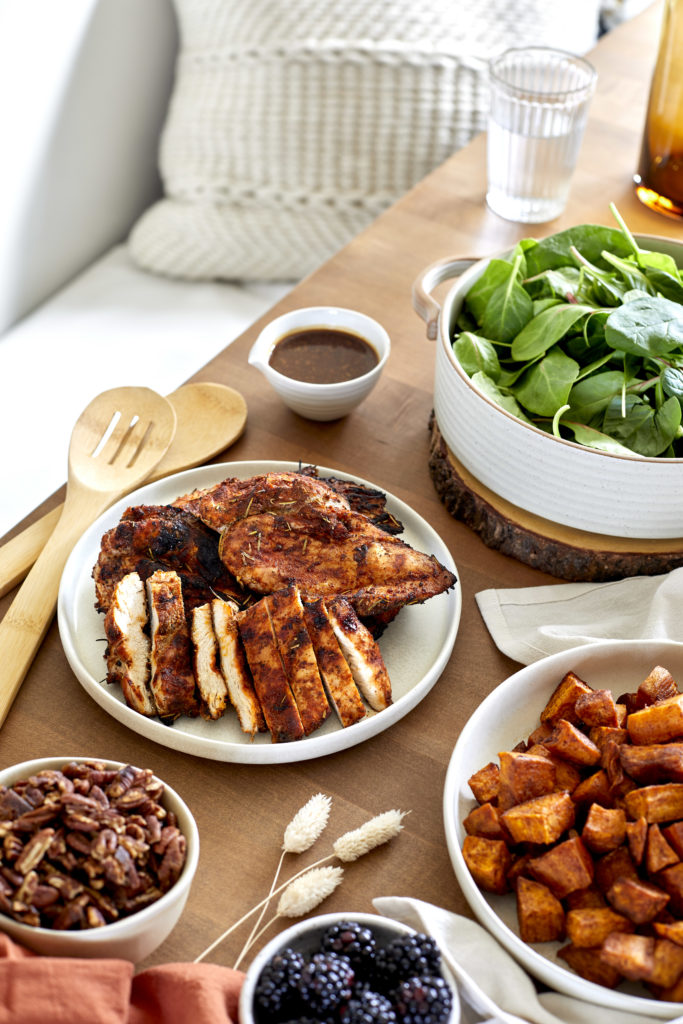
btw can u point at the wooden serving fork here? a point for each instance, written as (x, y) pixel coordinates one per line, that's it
(116, 442)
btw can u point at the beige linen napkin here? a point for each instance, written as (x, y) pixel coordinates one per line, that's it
(492, 986)
(530, 623)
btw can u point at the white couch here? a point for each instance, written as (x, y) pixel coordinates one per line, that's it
(84, 88)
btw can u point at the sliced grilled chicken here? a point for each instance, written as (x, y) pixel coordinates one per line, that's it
(270, 682)
(362, 654)
(172, 679)
(341, 689)
(210, 681)
(233, 665)
(128, 647)
(298, 657)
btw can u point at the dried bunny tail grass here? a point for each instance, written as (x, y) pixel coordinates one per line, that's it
(375, 832)
(307, 891)
(307, 824)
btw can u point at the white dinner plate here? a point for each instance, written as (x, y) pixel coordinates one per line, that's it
(509, 714)
(415, 646)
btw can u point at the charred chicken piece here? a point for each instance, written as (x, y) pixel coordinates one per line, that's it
(298, 657)
(270, 682)
(234, 667)
(329, 554)
(172, 680)
(128, 647)
(278, 493)
(341, 689)
(153, 537)
(362, 654)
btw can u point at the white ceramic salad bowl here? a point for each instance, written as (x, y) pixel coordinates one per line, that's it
(556, 479)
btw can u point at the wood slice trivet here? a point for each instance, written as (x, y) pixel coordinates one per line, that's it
(563, 552)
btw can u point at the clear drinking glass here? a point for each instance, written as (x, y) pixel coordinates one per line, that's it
(539, 105)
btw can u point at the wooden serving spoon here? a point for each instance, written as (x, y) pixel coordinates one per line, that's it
(104, 464)
(209, 418)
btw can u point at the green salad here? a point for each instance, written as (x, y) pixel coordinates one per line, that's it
(581, 334)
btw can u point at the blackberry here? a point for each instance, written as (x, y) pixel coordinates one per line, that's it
(276, 989)
(409, 956)
(426, 1000)
(369, 1007)
(354, 940)
(325, 982)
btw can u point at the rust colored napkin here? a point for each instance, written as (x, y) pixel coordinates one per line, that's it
(37, 989)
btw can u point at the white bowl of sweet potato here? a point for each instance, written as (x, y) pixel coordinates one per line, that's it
(563, 810)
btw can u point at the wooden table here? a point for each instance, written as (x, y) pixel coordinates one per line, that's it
(242, 810)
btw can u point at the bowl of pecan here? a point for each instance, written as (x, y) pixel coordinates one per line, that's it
(96, 857)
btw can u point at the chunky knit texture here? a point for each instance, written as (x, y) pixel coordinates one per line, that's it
(293, 123)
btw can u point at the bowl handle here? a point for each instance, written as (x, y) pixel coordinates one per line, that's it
(424, 303)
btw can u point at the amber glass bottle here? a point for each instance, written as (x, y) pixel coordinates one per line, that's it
(659, 179)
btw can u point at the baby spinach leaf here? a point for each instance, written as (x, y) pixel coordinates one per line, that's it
(672, 381)
(475, 353)
(544, 330)
(645, 430)
(546, 386)
(593, 394)
(668, 285)
(509, 308)
(589, 239)
(648, 326)
(496, 274)
(633, 277)
(592, 438)
(489, 388)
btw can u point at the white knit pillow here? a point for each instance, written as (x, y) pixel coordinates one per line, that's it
(293, 123)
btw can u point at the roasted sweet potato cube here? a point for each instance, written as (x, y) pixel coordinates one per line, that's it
(588, 927)
(653, 762)
(594, 789)
(619, 782)
(636, 835)
(672, 930)
(658, 853)
(657, 803)
(522, 777)
(605, 828)
(567, 776)
(582, 899)
(659, 685)
(484, 783)
(564, 868)
(612, 866)
(520, 866)
(484, 820)
(674, 836)
(568, 742)
(541, 820)
(673, 994)
(668, 965)
(540, 914)
(562, 703)
(657, 723)
(637, 900)
(489, 861)
(539, 734)
(632, 955)
(588, 964)
(597, 708)
(671, 880)
(600, 734)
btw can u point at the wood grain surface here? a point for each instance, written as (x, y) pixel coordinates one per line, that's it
(242, 810)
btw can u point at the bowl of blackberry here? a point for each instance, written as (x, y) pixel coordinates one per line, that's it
(349, 969)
